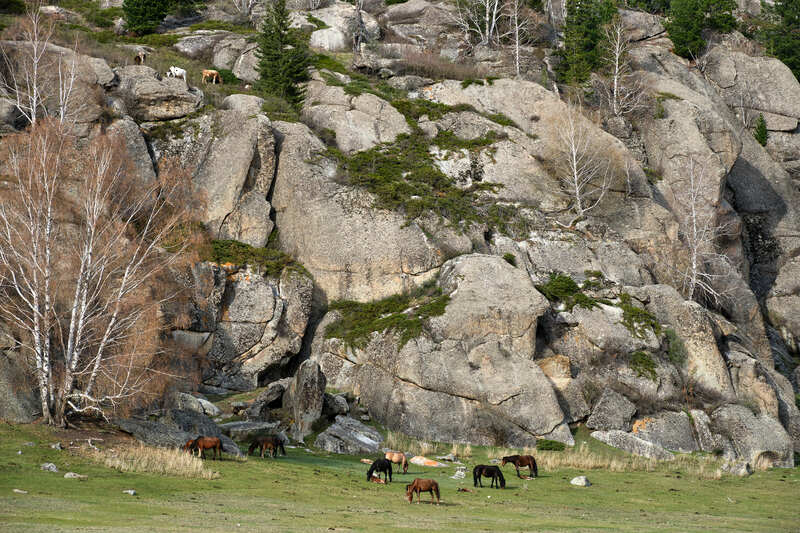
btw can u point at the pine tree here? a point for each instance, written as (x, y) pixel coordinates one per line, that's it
(583, 33)
(283, 56)
(685, 26)
(143, 16)
(785, 38)
(760, 132)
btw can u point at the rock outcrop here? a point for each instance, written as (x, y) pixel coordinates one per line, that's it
(148, 96)
(304, 398)
(348, 435)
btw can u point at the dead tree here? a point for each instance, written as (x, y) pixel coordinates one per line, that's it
(622, 90)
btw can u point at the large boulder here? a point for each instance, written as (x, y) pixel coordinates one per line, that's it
(136, 148)
(229, 154)
(187, 402)
(359, 122)
(329, 39)
(669, 430)
(469, 377)
(304, 398)
(613, 411)
(148, 96)
(245, 431)
(348, 435)
(260, 326)
(425, 23)
(632, 444)
(339, 15)
(354, 251)
(200, 44)
(758, 439)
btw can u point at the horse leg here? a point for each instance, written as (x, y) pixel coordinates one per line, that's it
(515, 466)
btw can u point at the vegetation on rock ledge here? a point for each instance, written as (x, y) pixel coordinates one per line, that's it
(269, 261)
(403, 314)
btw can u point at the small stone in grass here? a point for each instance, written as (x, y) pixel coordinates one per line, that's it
(20, 491)
(580, 481)
(73, 475)
(50, 467)
(130, 491)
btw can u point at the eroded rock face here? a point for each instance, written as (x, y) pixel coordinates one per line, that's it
(148, 96)
(304, 398)
(259, 328)
(232, 159)
(348, 435)
(613, 411)
(632, 444)
(760, 440)
(21, 403)
(330, 228)
(469, 377)
(669, 430)
(359, 122)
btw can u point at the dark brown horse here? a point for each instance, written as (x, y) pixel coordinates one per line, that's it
(422, 485)
(398, 458)
(271, 443)
(522, 461)
(201, 444)
(493, 472)
(188, 447)
(381, 465)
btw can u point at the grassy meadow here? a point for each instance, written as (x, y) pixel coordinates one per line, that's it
(323, 492)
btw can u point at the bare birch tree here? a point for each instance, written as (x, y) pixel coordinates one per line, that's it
(519, 30)
(701, 230)
(623, 91)
(583, 170)
(244, 7)
(76, 287)
(480, 20)
(36, 75)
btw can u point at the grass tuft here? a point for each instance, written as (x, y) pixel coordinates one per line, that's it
(151, 460)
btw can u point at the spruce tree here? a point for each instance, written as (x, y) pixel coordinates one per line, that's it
(144, 16)
(685, 26)
(583, 33)
(785, 38)
(760, 132)
(283, 56)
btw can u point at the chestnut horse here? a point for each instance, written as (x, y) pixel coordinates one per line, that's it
(398, 458)
(422, 485)
(493, 472)
(205, 443)
(273, 444)
(522, 461)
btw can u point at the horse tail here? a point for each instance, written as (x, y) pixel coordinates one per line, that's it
(370, 471)
(436, 490)
(535, 468)
(502, 479)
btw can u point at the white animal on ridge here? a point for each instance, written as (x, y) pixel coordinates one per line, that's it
(176, 72)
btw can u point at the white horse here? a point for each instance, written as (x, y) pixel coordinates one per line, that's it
(176, 72)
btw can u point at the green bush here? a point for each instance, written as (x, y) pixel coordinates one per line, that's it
(562, 288)
(269, 261)
(143, 16)
(276, 108)
(637, 319)
(404, 314)
(510, 259)
(760, 132)
(688, 18)
(550, 445)
(228, 77)
(583, 35)
(676, 349)
(642, 363)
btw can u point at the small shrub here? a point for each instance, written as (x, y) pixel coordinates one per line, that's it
(653, 176)
(550, 445)
(562, 288)
(143, 16)
(510, 259)
(470, 81)
(636, 319)
(319, 24)
(676, 349)
(660, 112)
(403, 314)
(501, 119)
(276, 108)
(228, 77)
(760, 132)
(152, 460)
(269, 261)
(642, 363)
(324, 61)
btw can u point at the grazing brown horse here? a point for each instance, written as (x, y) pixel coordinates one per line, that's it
(522, 461)
(205, 443)
(422, 485)
(493, 472)
(273, 444)
(398, 458)
(188, 447)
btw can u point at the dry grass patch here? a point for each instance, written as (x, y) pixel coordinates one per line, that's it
(404, 443)
(148, 459)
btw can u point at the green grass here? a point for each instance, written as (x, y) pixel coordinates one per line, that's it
(642, 363)
(636, 319)
(562, 288)
(269, 261)
(222, 26)
(404, 314)
(318, 492)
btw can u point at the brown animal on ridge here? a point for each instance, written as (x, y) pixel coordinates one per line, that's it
(273, 444)
(422, 485)
(398, 458)
(205, 443)
(141, 55)
(214, 75)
